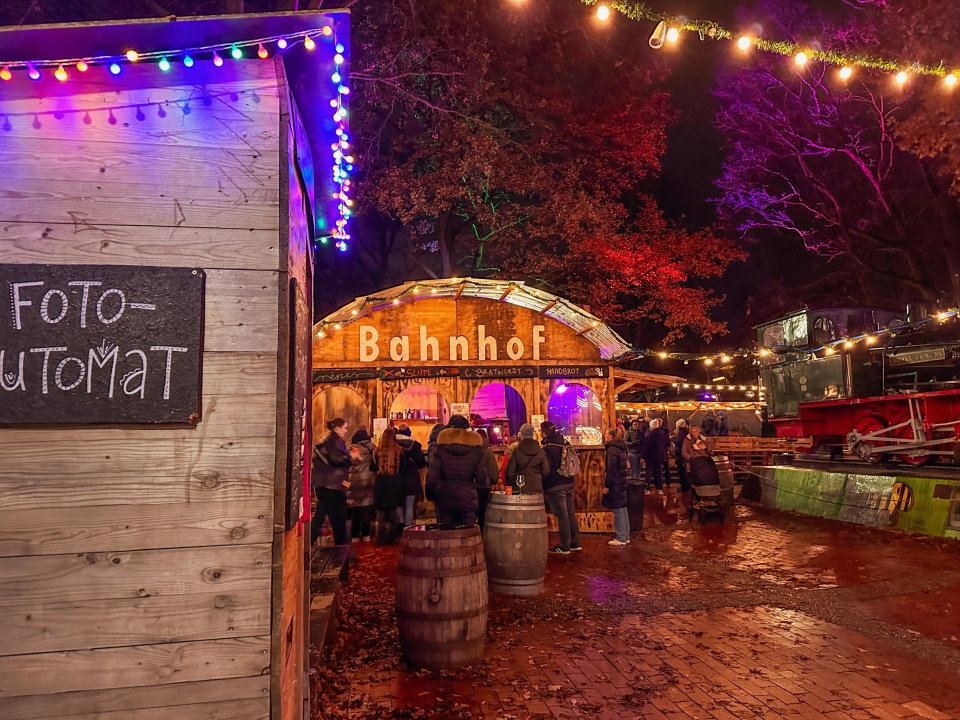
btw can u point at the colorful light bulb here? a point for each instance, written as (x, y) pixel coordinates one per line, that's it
(327, 30)
(114, 68)
(339, 47)
(132, 55)
(82, 66)
(743, 42)
(845, 72)
(187, 61)
(308, 43)
(32, 72)
(800, 58)
(901, 77)
(236, 53)
(282, 43)
(261, 52)
(60, 74)
(950, 79)
(5, 73)
(603, 12)
(164, 64)
(217, 60)
(338, 59)
(673, 35)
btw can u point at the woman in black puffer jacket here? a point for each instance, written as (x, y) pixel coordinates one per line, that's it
(615, 486)
(456, 471)
(331, 466)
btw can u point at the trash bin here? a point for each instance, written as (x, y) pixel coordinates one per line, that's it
(635, 494)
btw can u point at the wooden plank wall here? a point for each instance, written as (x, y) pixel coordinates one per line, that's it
(135, 563)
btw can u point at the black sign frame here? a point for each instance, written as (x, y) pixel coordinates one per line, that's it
(498, 372)
(337, 375)
(573, 372)
(100, 345)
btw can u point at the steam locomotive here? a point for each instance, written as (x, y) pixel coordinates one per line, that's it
(882, 385)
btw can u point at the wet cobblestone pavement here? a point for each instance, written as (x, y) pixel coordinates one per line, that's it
(772, 615)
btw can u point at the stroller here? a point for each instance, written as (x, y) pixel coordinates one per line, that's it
(705, 490)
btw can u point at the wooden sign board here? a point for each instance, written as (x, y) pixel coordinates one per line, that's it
(100, 344)
(409, 373)
(569, 372)
(342, 375)
(493, 372)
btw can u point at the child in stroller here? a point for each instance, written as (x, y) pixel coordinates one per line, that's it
(704, 489)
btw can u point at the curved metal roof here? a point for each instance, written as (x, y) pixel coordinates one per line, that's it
(611, 345)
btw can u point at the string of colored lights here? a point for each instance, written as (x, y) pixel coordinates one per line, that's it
(342, 160)
(669, 27)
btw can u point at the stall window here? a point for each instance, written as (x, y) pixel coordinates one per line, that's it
(576, 411)
(337, 401)
(421, 407)
(500, 409)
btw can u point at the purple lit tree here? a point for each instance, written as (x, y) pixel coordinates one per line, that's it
(815, 159)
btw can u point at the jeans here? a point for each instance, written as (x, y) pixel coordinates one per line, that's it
(634, 459)
(655, 474)
(455, 517)
(621, 524)
(560, 502)
(332, 504)
(666, 471)
(410, 510)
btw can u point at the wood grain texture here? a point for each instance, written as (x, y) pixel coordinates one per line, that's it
(132, 575)
(241, 311)
(78, 242)
(49, 673)
(135, 205)
(114, 528)
(92, 703)
(255, 709)
(118, 622)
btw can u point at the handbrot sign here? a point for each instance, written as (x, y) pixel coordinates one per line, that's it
(87, 344)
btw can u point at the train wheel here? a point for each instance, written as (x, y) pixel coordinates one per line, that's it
(868, 448)
(914, 459)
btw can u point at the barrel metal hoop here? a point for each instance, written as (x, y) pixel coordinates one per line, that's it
(515, 526)
(408, 643)
(438, 573)
(439, 617)
(441, 552)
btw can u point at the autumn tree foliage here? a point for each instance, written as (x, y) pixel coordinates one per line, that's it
(519, 140)
(818, 160)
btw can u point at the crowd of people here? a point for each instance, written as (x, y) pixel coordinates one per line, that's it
(370, 492)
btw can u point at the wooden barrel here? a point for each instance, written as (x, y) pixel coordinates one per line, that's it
(725, 470)
(516, 542)
(441, 596)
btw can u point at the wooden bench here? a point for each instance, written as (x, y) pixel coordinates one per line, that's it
(329, 567)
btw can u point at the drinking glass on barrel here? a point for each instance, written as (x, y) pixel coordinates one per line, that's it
(520, 484)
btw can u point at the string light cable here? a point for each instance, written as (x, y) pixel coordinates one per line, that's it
(114, 64)
(669, 27)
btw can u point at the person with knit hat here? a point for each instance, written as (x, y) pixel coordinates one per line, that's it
(528, 459)
(456, 471)
(411, 475)
(362, 478)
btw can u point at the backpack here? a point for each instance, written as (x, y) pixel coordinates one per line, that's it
(569, 462)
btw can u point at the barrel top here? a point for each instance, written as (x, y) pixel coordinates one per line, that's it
(443, 530)
(501, 498)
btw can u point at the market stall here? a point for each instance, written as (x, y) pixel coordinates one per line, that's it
(497, 351)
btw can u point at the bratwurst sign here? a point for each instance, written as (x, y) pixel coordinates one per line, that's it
(94, 344)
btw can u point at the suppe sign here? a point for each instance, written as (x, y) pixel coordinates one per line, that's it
(91, 344)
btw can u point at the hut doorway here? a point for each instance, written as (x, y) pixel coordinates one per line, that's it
(576, 411)
(500, 409)
(421, 407)
(338, 401)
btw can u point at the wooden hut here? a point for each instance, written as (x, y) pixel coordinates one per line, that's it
(501, 352)
(155, 302)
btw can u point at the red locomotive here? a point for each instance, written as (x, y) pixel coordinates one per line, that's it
(864, 380)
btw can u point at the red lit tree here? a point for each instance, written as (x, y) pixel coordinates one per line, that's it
(518, 141)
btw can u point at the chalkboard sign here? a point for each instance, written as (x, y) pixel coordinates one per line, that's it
(100, 344)
(333, 375)
(484, 372)
(412, 373)
(574, 371)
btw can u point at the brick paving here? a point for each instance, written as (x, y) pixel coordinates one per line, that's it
(770, 616)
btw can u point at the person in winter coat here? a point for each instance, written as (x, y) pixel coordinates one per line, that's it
(709, 424)
(456, 471)
(615, 487)
(694, 446)
(667, 450)
(634, 449)
(392, 463)
(432, 442)
(330, 469)
(723, 429)
(493, 472)
(411, 476)
(682, 430)
(362, 478)
(559, 492)
(529, 460)
(655, 452)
